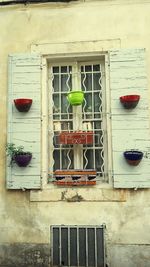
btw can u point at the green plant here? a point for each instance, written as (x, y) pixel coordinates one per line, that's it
(13, 151)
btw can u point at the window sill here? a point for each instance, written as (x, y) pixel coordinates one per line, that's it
(74, 194)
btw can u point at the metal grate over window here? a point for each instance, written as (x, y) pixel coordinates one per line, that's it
(88, 77)
(77, 246)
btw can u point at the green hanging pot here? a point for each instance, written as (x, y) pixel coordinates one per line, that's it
(75, 98)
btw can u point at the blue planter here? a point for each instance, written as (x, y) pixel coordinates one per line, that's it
(133, 157)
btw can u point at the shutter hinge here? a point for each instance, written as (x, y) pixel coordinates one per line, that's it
(104, 74)
(112, 175)
(23, 189)
(107, 61)
(42, 66)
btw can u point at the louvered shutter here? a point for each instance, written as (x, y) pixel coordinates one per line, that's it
(130, 128)
(25, 128)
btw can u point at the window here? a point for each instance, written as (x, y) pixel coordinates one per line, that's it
(78, 245)
(86, 118)
(126, 75)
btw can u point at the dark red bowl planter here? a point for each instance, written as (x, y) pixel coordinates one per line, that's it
(22, 160)
(78, 137)
(23, 104)
(130, 101)
(133, 157)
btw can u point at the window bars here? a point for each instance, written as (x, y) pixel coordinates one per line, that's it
(64, 118)
(77, 246)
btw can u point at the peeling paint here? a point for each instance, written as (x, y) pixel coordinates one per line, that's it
(75, 198)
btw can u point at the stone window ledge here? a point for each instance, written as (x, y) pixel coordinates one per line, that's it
(78, 195)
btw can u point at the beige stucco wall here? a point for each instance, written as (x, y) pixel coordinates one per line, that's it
(126, 213)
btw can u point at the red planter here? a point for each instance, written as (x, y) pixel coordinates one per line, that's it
(130, 101)
(78, 137)
(75, 183)
(75, 177)
(23, 104)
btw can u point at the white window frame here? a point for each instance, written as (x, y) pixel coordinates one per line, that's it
(44, 141)
(76, 83)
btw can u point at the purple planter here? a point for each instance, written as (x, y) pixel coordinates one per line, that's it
(22, 160)
(133, 157)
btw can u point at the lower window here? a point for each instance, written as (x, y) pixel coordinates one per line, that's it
(77, 246)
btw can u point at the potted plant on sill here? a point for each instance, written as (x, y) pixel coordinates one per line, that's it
(75, 177)
(18, 155)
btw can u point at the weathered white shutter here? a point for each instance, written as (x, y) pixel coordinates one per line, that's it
(130, 128)
(25, 128)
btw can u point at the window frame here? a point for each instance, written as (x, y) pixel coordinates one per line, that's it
(73, 57)
(76, 83)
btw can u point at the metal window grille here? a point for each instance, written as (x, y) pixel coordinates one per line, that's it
(89, 77)
(77, 246)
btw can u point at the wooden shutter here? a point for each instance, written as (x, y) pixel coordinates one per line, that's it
(130, 128)
(25, 128)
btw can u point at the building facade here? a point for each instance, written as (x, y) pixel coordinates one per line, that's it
(78, 185)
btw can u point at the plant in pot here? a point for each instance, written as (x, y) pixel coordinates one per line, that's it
(18, 155)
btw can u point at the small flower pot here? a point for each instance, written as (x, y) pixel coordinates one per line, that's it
(133, 157)
(75, 98)
(23, 104)
(78, 137)
(129, 101)
(22, 160)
